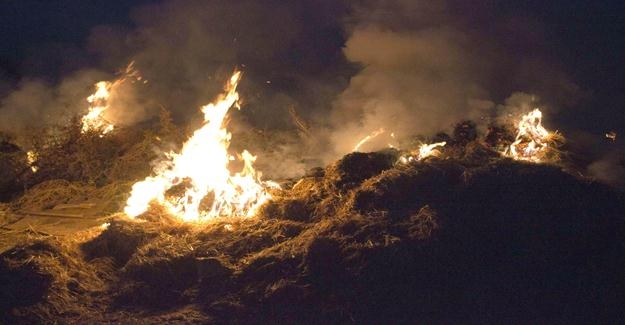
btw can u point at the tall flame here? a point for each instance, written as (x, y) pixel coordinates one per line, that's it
(532, 139)
(98, 103)
(201, 168)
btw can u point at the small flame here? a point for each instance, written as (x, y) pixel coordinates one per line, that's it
(532, 140)
(611, 135)
(31, 159)
(368, 138)
(201, 168)
(99, 102)
(425, 150)
(428, 150)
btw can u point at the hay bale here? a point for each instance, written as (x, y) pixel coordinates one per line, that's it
(23, 281)
(120, 241)
(423, 224)
(354, 168)
(50, 193)
(323, 261)
(213, 276)
(134, 163)
(13, 168)
(288, 209)
(404, 189)
(161, 280)
(46, 278)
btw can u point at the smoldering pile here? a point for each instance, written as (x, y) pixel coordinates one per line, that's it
(464, 237)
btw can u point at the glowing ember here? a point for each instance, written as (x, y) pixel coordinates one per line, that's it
(31, 159)
(367, 138)
(425, 150)
(611, 135)
(200, 170)
(532, 140)
(94, 120)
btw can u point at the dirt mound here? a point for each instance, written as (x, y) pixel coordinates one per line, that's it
(366, 241)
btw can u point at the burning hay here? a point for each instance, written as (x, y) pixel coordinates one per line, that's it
(399, 235)
(201, 169)
(351, 243)
(398, 231)
(533, 142)
(95, 120)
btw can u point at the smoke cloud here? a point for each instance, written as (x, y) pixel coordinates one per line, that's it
(610, 169)
(427, 65)
(347, 68)
(35, 103)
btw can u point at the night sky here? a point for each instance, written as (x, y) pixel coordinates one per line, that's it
(316, 56)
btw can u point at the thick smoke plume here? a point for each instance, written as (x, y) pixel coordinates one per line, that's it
(347, 68)
(428, 65)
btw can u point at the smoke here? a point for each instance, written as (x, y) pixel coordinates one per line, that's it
(35, 103)
(348, 68)
(187, 48)
(428, 65)
(610, 169)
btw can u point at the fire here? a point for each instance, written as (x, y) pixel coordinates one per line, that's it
(425, 150)
(532, 139)
(611, 135)
(99, 102)
(31, 159)
(428, 150)
(367, 138)
(201, 170)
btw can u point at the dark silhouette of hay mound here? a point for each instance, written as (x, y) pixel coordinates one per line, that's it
(368, 241)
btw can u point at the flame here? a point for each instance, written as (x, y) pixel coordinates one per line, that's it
(201, 168)
(611, 135)
(31, 159)
(367, 138)
(532, 139)
(428, 150)
(94, 120)
(425, 150)
(98, 103)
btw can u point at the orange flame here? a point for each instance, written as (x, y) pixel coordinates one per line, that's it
(367, 138)
(532, 140)
(98, 103)
(202, 168)
(94, 120)
(31, 159)
(425, 150)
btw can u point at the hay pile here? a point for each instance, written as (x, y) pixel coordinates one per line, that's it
(49, 194)
(365, 240)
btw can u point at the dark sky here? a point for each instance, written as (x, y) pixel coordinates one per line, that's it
(29, 26)
(582, 40)
(587, 36)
